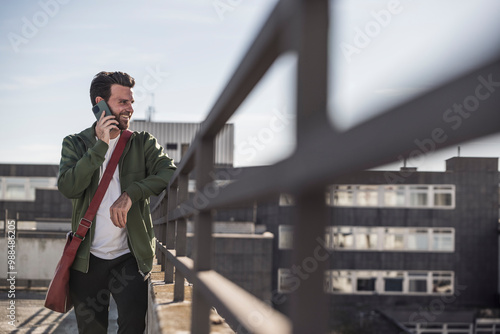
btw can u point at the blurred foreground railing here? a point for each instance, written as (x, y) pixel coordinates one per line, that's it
(322, 154)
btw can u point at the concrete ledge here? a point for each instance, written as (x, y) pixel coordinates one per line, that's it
(166, 316)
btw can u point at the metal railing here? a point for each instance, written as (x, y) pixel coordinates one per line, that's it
(322, 154)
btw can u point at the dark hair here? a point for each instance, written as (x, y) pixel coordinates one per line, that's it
(101, 84)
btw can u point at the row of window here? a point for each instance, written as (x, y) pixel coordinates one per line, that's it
(387, 196)
(23, 188)
(375, 282)
(419, 239)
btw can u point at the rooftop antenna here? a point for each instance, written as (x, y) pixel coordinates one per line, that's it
(151, 109)
(459, 151)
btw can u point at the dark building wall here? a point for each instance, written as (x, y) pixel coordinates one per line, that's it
(243, 259)
(29, 170)
(47, 203)
(475, 219)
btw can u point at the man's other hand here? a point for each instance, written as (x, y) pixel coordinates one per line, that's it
(118, 211)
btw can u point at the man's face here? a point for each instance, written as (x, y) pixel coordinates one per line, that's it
(120, 103)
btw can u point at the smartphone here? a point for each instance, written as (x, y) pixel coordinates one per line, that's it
(99, 108)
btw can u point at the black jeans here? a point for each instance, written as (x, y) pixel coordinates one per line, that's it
(90, 293)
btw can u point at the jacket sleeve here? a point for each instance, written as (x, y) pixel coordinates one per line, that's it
(160, 168)
(75, 171)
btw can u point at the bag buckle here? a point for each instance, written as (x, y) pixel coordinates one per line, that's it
(83, 225)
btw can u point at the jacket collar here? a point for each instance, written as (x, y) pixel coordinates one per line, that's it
(88, 135)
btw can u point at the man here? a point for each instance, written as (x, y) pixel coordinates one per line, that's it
(117, 253)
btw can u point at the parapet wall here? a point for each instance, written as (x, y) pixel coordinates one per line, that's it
(245, 259)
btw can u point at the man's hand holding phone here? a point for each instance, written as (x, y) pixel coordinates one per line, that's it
(104, 126)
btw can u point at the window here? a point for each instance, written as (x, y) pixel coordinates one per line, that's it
(393, 196)
(418, 239)
(394, 239)
(24, 188)
(171, 146)
(418, 196)
(344, 238)
(417, 282)
(286, 200)
(341, 282)
(287, 282)
(366, 238)
(443, 239)
(285, 236)
(16, 189)
(393, 281)
(443, 196)
(442, 282)
(388, 282)
(343, 196)
(422, 239)
(367, 196)
(365, 281)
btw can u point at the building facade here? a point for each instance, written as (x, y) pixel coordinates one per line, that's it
(176, 138)
(407, 241)
(30, 193)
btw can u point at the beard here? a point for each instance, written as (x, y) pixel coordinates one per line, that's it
(122, 123)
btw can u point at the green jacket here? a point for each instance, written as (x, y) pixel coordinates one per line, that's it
(144, 170)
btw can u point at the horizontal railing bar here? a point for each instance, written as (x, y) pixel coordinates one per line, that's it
(186, 209)
(261, 54)
(371, 144)
(424, 119)
(161, 197)
(239, 306)
(161, 220)
(183, 264)
(234, 302)
(161, 246)
(259, 57)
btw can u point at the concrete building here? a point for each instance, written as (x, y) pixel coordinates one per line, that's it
(176, 138)
(422, 247)
(30, 191)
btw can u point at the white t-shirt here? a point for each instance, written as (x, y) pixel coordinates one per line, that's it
(109, 241)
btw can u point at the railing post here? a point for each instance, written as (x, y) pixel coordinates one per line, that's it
(180, 241)
(156, 214)
(312, 69)
(202, 246)
(308, 312)
(308, 308)
(5, 224)
(163, 228)
(170, 233)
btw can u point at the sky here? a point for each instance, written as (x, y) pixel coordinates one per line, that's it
(184, 52)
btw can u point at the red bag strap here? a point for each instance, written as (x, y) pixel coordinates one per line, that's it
(87, 219)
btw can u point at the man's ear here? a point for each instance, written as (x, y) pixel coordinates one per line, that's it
(98, 99)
